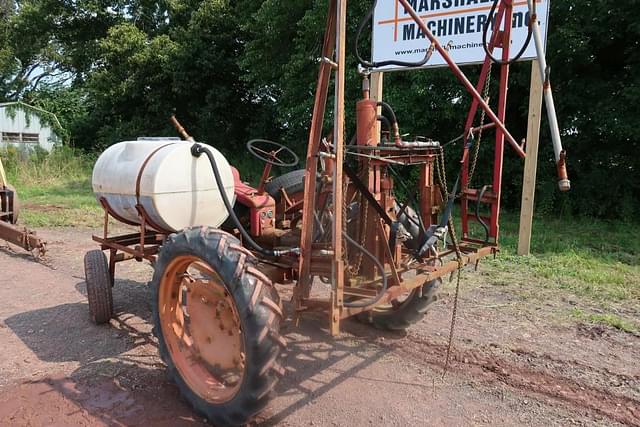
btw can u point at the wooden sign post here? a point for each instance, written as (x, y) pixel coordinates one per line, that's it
(531, 161)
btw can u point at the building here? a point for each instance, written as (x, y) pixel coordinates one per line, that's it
(25, 127)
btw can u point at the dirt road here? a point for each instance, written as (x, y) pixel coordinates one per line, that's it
(510, 366)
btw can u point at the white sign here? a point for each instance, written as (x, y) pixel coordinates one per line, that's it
(458, 26)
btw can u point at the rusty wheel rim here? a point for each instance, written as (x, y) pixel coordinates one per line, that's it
(209, 356)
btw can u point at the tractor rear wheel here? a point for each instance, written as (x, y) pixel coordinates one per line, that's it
(402, 313)
(99, 286)
(217, 319)
(291, 182)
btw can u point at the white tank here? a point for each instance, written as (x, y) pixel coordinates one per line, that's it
(175, 189)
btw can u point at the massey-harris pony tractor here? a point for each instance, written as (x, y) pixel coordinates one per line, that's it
(336, 230)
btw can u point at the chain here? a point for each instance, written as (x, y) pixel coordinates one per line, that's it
(442, 182)
(442, 174)
(485, 96)
(454, 316)
(362, 232)
(345, 246)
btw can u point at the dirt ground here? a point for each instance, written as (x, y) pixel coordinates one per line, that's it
(510, 366)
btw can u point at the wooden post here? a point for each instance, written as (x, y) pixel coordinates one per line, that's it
(338, 196)
(531, 161)
(377, 83)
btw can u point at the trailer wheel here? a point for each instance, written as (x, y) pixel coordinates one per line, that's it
(217, 320)
(401, 314)
(99, 292)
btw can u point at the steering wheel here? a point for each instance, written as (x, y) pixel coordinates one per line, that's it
(268, 152)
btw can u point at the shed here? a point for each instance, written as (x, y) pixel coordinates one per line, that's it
(25, 126)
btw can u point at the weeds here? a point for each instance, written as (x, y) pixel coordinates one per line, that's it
(54, 188)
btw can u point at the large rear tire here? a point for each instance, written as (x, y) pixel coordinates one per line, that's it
(217, 319)
(99, 286)
(291, 182)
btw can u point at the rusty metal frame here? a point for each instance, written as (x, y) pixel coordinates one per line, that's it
(20, 236)
(143, 245)
(325, 261)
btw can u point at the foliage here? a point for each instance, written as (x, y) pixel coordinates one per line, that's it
(38, 167)
(116, 69)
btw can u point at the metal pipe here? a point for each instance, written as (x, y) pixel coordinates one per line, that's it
(560, 155)
(462, 78)
(183, 133)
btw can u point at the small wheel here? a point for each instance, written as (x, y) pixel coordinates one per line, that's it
(217, 319)
(401, 314)
(99, 291)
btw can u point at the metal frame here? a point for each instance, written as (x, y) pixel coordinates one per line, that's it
(472, 250)
(391, 270)
(143, 245)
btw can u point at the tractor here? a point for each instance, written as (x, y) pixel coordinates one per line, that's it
(218, 245)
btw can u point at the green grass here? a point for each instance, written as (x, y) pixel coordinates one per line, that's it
(593, 263)
(55, 189)
(64, 204)
(611, 320)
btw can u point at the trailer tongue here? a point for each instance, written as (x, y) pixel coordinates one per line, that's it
(9, 210)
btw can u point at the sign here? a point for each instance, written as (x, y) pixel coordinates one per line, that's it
(458, 26)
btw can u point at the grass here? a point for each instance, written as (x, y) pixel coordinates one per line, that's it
(611, 320)
(55, 189)
(594, 264)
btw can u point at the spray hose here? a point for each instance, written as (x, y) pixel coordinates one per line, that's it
(485, 31)
(196, 151)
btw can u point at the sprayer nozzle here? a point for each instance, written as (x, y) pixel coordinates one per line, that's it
(564, 185)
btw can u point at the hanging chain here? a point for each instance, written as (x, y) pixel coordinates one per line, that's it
(485, 96)
(442, 182)
(362, 232)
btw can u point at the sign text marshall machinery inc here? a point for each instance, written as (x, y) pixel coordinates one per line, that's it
(458, 25)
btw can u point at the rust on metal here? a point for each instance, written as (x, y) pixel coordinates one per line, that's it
(209, 357)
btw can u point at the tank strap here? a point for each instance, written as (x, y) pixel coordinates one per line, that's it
(143, 167)
(139, 207)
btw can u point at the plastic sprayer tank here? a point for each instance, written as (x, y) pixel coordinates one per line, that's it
(175, 189)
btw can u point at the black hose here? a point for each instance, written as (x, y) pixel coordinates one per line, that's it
(380, 267)
(485, 31)
(389, 108)
(478, 217)
(197, 150)
(369, 64)
(385, 122)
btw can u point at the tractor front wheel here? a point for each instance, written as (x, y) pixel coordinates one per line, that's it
(217, 319)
